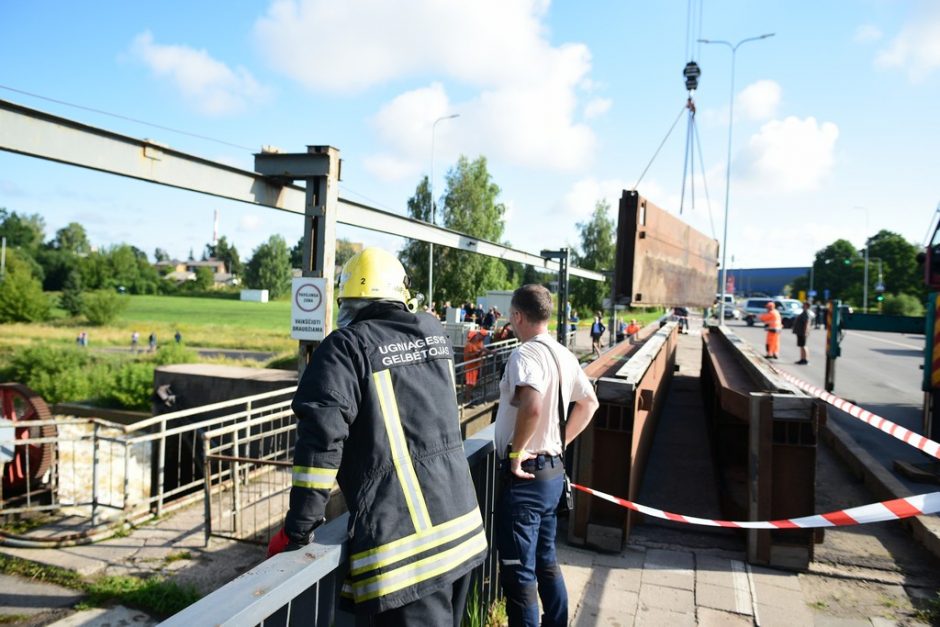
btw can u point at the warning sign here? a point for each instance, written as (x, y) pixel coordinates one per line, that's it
(307, 309)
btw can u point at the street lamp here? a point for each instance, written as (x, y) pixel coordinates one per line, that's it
(724, 241)
(433, 212)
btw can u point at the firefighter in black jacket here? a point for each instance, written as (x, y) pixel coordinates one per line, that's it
(377, 412)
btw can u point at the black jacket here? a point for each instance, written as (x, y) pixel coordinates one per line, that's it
(377, 410)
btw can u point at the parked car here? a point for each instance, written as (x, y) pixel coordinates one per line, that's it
(731, 310)
(789, 309)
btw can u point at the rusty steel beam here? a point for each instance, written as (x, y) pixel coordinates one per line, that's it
(661, 260)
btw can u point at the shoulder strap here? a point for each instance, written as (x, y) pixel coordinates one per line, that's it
(562, 414)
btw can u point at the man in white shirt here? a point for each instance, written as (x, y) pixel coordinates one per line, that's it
(529, 444)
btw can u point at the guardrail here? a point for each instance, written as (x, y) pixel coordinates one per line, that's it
(109, 473)
(303, 586)
(764, 434)
(611, 454)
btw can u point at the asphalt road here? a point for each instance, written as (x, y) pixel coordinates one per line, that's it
(878, 371)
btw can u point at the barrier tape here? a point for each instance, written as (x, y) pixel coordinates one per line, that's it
(893, 429)
(895, 509)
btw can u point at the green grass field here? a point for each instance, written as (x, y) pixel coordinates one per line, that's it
(188, 311)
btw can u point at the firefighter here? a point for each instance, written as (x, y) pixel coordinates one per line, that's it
(377, 412)
(774, 326)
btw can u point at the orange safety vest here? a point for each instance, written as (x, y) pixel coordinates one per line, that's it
(772, 319)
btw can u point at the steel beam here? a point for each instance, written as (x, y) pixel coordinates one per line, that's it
(35, 133)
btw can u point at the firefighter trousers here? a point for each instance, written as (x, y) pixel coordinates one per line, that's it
(443, 607)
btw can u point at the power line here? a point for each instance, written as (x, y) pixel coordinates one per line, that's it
(126, 118)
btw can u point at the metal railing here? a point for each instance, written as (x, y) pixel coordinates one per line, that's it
(109, 473)
(477, 379)
(104, 472)
(302, 587)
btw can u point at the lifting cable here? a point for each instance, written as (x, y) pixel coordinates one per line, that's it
(693, 144)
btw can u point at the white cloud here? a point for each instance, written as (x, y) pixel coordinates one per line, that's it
(578, 203)
(522, 92)
(209, 85)
(250, 223)
(759, 100)
(789, 155)
(596, 107)
(867, 33)
(916, 49)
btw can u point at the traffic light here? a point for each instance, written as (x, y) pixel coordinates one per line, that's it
(880, 297)
(847, 261)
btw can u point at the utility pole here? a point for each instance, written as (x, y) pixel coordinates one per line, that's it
(320, 167)
(563, 256)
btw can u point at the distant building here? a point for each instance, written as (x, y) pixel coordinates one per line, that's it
(182, 271)
(766, 281)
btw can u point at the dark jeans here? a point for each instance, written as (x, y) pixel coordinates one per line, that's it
(444, 607)
(525, 539)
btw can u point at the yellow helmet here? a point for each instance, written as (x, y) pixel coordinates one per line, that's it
(374, 274)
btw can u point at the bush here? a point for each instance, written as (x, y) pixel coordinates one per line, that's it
(130, 387)
(103, 306)
(57, 374)
(173, 353)
(22, 299)
(902, 305)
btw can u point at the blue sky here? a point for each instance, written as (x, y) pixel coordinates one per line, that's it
(567, 100)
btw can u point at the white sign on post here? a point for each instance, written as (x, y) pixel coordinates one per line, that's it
(307, 308)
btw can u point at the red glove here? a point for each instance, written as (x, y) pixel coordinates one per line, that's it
(278, 543)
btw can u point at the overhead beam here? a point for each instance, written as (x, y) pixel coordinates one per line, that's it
(35, 133)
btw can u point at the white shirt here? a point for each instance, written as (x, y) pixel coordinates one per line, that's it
(532, 365)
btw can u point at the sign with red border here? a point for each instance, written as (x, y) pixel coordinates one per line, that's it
(308, 309)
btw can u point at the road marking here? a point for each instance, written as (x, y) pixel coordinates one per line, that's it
(879, 339)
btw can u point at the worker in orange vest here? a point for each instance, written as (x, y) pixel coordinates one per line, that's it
(632, 329)
(774, 326)
(473, 349)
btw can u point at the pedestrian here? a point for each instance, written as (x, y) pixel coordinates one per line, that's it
(621, 327)
(597, 330)
(682, 315)
(377, 413)
(774, 326)
(801, 326)
(489, 319)
(819, 318)
(178, 337)
(541, 378)
(152, 342)
(473, 359)
(135, 340)
(632, 329)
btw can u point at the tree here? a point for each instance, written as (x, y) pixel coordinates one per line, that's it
(269, 267)
(103, 306)
(899, 260)
(470, 207)
(21, 295)
(21, 230)
(343, 251)
(72, 238)
(71, 298)
(204, 280)
(597, 252)
(223, 251)
(414, 256)
(160, 255)
(837, 268)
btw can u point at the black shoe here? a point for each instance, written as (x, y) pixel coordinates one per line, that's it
(803, 362)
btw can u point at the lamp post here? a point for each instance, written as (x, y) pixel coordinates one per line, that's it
(724, 241)
(433, 212)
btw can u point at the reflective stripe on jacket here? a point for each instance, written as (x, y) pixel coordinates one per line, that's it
(377, 412)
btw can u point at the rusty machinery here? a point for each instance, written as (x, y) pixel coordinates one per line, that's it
(25, 466)
(661, 260)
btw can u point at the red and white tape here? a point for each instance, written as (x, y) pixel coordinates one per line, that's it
(905, 435)
(895, 509)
